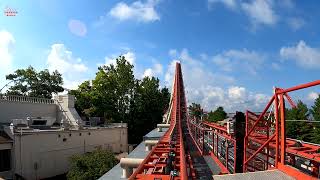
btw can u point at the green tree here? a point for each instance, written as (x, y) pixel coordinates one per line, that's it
(165, 98)
(148, 105)
(116, 95)
(195, 110)
(112, 90)
(217, 115)
(82, 95)
(297, 129)
(315, 111)
(91, 165)
(29, 82)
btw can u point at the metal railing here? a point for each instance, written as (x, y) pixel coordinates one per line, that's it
(15, 98)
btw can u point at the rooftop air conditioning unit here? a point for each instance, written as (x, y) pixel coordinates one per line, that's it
(19, 122)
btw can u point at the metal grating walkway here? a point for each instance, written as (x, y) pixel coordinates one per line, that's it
(260, 175)
(203, 170)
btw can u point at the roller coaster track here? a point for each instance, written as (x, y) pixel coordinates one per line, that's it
(259, 146)
(168, 159)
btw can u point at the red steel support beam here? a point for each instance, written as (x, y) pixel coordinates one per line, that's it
(302, 86)
(213, 141)
(259, 150)
(245, 143)
(227, 154)
(283, 130)
(261, 116)
(276, 116)
(268, 146)
(235, 156)
(203, 142)
(279, 145)
(290, 100)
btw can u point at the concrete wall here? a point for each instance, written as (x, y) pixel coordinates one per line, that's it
(20, 110)
(67, 112)
(45, 154)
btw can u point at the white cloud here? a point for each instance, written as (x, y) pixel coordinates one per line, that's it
(304, 55)
(296, 23)
(194, 71)
(232, 59)
(275, 66)
(6, 42)
(313, 96)
(260, 12)
(69, 66)
(212, 89)
(129, 56)
(173, 53)
(237, 93)
(155, 71)
(286, 4)
(148, 73)
(232, 4)
(139, 11)
(259, 100)
(77, 27)
(234, 98)
(204, 56)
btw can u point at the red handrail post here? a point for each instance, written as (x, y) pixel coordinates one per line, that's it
(283, 130)
(245, 145)
(202, 153)
(276, 116)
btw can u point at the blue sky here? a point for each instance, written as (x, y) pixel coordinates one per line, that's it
(232, 52)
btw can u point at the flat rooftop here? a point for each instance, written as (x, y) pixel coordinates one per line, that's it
(4, 139)
(139, 152)
(48, 129)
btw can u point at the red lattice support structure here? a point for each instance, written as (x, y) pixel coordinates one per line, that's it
(266, 145)
(221, 143)
(223, 149)
(168, 159)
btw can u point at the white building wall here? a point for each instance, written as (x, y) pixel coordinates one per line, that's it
(45, 154)
(20, 110)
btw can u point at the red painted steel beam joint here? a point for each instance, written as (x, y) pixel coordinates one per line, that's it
(283, 130)
(259, 150)
(302, 86)
(276, 116)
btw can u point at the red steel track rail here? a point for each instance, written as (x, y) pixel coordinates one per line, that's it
(168, 159)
